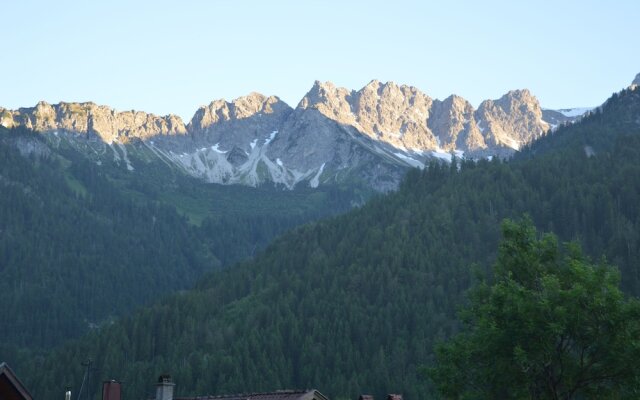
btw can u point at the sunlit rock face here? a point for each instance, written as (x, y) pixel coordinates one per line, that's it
(371, 135)
(91, 119)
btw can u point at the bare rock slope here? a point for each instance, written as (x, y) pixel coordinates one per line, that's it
(334, 134)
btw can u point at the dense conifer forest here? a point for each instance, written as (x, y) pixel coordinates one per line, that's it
(82, 244)
(356, 303)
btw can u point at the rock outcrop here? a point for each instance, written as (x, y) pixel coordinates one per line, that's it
(334, 134)
(240, 122)
(452, 121)
(93, 120)
(407, 119)
(636, 82)
(511, 121)
(386, 112)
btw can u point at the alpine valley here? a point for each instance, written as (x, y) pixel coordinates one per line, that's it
(261, 247)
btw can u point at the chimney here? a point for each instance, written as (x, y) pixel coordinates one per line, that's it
(111, 390)
(394, 397)
(164, 387)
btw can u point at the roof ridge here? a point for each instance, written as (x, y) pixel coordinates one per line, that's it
(246, 395)
(13, 379)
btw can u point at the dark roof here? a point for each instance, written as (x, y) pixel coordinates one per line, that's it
(10, 386)
(278, 395)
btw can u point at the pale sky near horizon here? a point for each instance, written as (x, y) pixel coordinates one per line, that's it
(174, 56)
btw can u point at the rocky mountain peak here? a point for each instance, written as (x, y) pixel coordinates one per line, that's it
(91, 119)
(516, 98)
(405, 117)
(374, 85)
(383, 111)
(394, 113)
(380, 88)
(390, 94)
(255, 103)
(457, 103)
(42, 104)
(43, 116)
(243, 107)
(321, 92)
(636, 81)
(452, 122)
(333, 130)
(318, 93)
(513, 120)
(331, 101)
(519, 94)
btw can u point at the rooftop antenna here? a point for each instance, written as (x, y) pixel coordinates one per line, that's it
(85, 378)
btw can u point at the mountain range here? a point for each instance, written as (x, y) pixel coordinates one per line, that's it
(372, 135)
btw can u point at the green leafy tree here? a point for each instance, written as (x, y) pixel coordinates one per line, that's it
(550, 326)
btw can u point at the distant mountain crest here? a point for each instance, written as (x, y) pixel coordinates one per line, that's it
(334, 134)
(91, 119)
(513, 120)
(242, 107)
(407, 119)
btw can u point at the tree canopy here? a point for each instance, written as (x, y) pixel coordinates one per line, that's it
(82, 244)
(551, 325)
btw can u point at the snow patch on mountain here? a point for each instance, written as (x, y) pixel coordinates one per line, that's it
(116, 155)
(214, 165)
(216, 148)
(574, 112)
(411, 161)
(315, 181)
(512, 143)
(442, 155)
(271, 137)
(125, 156)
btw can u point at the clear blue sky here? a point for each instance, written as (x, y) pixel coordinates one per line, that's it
(171, 57)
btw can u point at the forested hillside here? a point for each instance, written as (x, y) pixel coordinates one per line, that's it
(596, 132)
(355, 304)
(82, 244)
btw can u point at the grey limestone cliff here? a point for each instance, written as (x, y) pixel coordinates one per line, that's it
(452, 121)
(511, 121)
(93, 120)
(239, 123)
(334, 134)
(407, 119)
